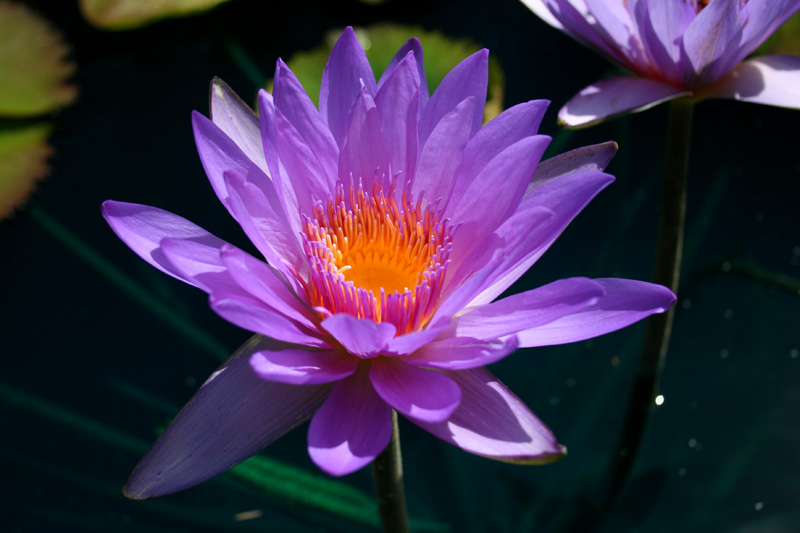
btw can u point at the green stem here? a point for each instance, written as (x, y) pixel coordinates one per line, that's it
(669, 246)
(387, 470)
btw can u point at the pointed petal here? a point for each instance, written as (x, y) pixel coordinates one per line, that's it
(587, 158)
(199, 263)
(468, 78)
(714, 31)
(230, 418)
(612, 97)
(461, 353)
(625, 302)
(413, 47)
(441, 155)
(410, 342)
(364, 158)
(528, 309)
(771, 80)
(293, 102)
(220, 154)
(303, 367)
(541, 10)
(252, 314)
(342, 79)
(351, 428)
(362, 337)
(417, 393)
(398, 105)
(764, 17)
(143, 228)
(491, 421)
(237, 121)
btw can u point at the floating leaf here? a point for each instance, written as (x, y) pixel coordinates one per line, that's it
(129, 14)
(23, 162)
(382, 41)
(33, 64)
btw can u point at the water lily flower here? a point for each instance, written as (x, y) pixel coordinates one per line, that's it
(673, 49)
(388, 220)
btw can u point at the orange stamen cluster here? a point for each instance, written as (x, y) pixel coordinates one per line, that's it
(373, 258)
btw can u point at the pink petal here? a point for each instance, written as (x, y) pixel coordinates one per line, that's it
(771, 80)
(362, 337)
(417, 393)
(491, 421)
(625, 302)
(461, 353)
(143, 228)
(232, 416)
(303, 367)
(351, 428)
(612, 97)
(237, 121)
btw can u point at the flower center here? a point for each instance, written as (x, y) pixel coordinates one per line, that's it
(373, 258)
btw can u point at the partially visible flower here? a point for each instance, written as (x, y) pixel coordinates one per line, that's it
(389, 219)
(675, 48)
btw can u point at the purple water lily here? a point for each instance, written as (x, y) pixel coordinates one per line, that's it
(675, 48)
(388, 220)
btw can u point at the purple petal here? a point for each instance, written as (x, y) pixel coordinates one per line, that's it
(293, 102)
(230, 418)
(398, 101)
(485, 205)
(417, 393)
(410, 342)
(143, 228)
(491, 421)
(441, 155)
(303, 367)
(254, 315)
(199, 263)
(542, 11)
(714, 32)
(461, 353)
(362, 337)
(267, 284)
(413, 47)
(771, 80)
(351, 428)
(237, 121)
(220, 154)
(342, 80)
(763, 18)
(509, 127)
(529, 309)
(587, 158)
(661, 24)
(616, 96)
(625, 302)
(364, 158)
(468, 78)
(541, 217)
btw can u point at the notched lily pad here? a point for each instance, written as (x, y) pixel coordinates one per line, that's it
(382, 41)
(33, 65)
(23, 162)
(129, 14)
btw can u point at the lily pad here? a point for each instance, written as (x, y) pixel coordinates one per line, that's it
(382, 41)
(32, 60)
(129, 14)
(23, 162)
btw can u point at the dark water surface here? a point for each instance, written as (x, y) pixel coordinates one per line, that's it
(720, 454)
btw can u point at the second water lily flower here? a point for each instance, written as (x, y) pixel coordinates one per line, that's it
(388, 221)
(675, 48)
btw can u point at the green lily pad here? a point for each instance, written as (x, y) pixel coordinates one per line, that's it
(32, 60)
(23, 162)
(129, 14)
(382, 41)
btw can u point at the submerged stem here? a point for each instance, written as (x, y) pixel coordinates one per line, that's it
(387, 470)
(669, 245)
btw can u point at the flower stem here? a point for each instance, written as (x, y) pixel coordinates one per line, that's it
(669, 246)
(387, 470)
